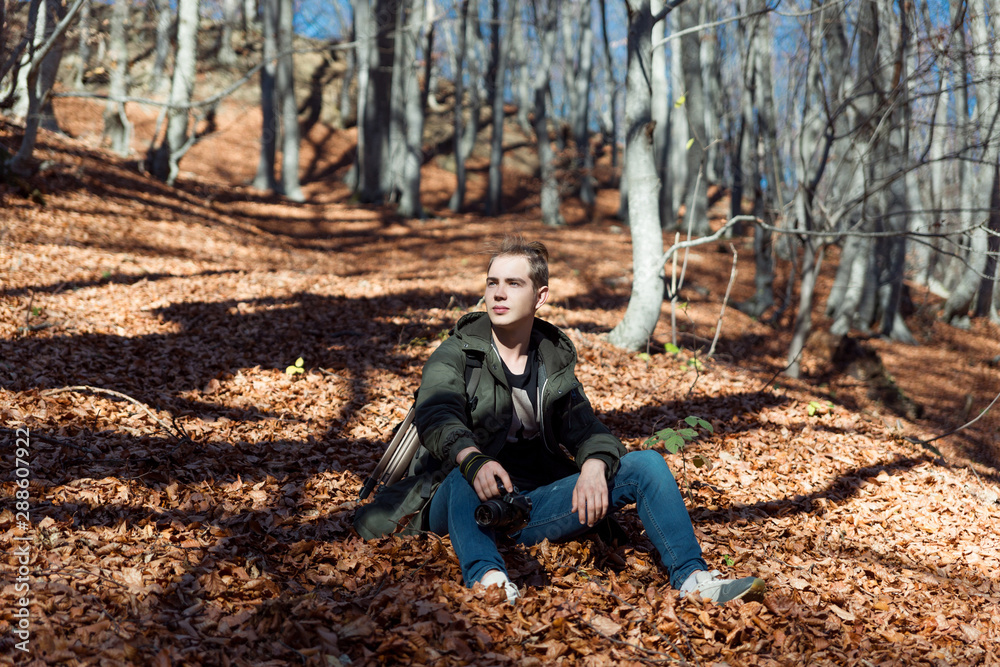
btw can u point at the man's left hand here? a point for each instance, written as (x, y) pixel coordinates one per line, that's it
(590, 495)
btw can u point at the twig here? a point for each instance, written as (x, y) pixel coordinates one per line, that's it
(181, 435)
(708, 239)
(789, 365)
(927, 443)
(725, 300)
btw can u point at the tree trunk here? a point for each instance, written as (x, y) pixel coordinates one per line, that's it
(677, 153)
(764, 172)
(714, 106)
(812, 259)
(284, 84)
(250, 16)
(35, 32)
(984, 306)
(465, 132)
(40, 75)
(230, 15)
(522, 81)
(49, 68)
(83, 43)
(376, 45)
(164, 163)
(348, 112)
(976, 189)
(895, 216)
(580, 113)
(546, 21)
(611, 86)
(266, 179)
(409, 200)
(386, 20)
(164, 21)
(500, 50)
(696, 190)
(660, 110)
(117, 127)
(646, 300)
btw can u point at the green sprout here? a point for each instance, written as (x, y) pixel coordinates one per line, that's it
(819, 408)
(297, 368)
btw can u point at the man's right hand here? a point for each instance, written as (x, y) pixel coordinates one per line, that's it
(488, 477)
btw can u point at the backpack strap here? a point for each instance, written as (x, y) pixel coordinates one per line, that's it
(405, 444)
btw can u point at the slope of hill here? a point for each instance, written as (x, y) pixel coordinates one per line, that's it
(190, 499)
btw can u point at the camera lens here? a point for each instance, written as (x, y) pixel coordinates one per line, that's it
(488, 514)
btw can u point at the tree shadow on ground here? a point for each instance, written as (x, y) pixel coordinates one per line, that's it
(347, 338)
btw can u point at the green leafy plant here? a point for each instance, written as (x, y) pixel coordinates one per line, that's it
(673, 440)
(297, 368)
(728, 560)
(819, 408)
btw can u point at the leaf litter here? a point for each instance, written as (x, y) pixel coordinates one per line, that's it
(207, 521)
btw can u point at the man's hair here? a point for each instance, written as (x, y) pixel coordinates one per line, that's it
(535, 252)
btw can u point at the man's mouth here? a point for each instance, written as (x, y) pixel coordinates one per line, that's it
(500, 310)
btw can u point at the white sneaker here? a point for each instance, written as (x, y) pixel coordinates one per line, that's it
(498, 578)
(711, 585)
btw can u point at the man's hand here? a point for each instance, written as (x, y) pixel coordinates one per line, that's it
(590, 495)
(486, 480)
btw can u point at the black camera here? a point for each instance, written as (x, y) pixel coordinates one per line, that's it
(508, 513)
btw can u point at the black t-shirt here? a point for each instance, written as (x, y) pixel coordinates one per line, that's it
(525, 458)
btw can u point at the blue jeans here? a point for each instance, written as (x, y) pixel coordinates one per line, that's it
(643, 478)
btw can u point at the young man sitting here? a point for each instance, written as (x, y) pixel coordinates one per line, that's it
(527, 413)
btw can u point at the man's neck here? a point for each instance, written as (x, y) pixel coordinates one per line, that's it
(513, 347)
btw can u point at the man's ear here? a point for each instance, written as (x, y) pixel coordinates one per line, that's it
(541, 296)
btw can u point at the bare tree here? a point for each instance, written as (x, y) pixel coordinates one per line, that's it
(83, 44)
(546, 21)
(266, 179)
(500, 48)
(977, 187)
(759, 140)
(226, 54)
(164, 21)
(696, 188)
(375, 36)
(466, 130)
(579, 99)
(646, 300)
(117, 128)
(40, 73)
(417, 14)
(164, 159)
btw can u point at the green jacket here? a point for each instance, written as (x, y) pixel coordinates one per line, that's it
(449, 421)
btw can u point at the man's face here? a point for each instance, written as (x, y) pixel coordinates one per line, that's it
(511, 298)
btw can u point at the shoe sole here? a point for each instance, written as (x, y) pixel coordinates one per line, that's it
(755, 593)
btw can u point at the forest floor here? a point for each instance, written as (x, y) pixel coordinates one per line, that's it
(201, 514)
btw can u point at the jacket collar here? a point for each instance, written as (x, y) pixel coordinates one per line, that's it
(555, 348)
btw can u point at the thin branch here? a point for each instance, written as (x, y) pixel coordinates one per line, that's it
(179, 434)
(926, 443)
(725, 300)
(704, 26)
(707, 239)
(38, 56)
